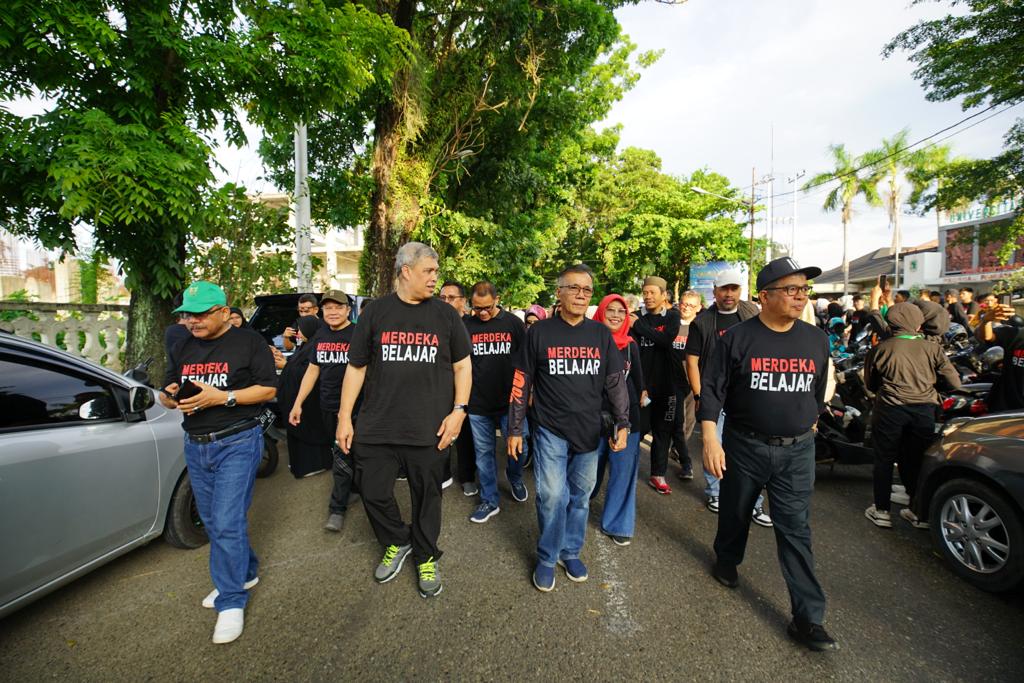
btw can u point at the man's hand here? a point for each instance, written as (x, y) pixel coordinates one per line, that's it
(295, 417)
(515, 447)
(165, 400)
(289, 333)
(619, 444)
(714, 456)
(450, 428)
(279, 360)
(209, 397)
(998, 313)
(345, 434)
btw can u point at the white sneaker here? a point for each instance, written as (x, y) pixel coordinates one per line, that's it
(878, 517)
(229, 625)
(761, 518)
(908, 514)
(446, 483)
(208, 600)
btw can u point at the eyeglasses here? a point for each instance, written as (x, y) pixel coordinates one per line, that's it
(689, 305)
(450, 298)
(790, 290)
(482, 309)
(307, 309)
(200, 316)
(576, 290)
(616, 312)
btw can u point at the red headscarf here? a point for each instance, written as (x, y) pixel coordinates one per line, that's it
(621, 335)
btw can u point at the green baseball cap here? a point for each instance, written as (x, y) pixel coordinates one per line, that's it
(201, 296)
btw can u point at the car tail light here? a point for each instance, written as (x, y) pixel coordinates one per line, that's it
(978, 407)
(947, 404)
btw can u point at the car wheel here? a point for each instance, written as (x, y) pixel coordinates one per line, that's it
(268, 463)
(184, 527)
(979, 533)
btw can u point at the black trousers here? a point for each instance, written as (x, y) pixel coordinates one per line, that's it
(343, 469)
(663, 414)
(788, 474)
(683, 423)
(377, 465)
(901, 435)
(465, 454)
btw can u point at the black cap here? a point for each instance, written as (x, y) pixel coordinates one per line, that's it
(780, 268)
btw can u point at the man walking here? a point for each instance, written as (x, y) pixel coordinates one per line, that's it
(307, 307)
(705, 332)
(685, 419)
(412, 353)
(655, 332)
(496, 337)
(327, 364)
(570, 363)
(220, 377)
(769, 376)
(454, 294)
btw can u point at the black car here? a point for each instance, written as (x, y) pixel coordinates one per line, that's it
(971, 492)
(274, 312)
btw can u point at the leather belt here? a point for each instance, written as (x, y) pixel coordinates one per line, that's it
(774, 440)
(224, 433)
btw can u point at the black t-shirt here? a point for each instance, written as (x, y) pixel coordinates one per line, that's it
(766, 381)
(655, 334)
(494, 344)
(1008, 391)
(696, 345)
(568, 365)
(679, 378)
(409, 386)
(857, 320)
(237, 359)
(330, 354)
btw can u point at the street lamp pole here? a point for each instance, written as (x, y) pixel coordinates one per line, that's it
(792, 235)
(750, 261)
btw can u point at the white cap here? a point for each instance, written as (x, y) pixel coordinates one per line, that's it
(729, 277)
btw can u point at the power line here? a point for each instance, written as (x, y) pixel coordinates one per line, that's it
(903, 151)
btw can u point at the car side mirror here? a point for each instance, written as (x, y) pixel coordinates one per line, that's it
(140, 399)
(99, 408)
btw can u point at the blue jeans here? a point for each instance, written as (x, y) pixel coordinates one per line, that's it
(564, 481)
(222, 475)
(619, 515)
(483, 427)
(712, 483)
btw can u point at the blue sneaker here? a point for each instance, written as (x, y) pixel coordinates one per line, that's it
(519, 491)
(544, 578)
(483, 512)
(575, 570)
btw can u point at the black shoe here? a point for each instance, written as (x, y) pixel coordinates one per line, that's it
(812, 636)
(725, 575)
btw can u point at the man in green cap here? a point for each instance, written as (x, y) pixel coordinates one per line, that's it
(220, 377)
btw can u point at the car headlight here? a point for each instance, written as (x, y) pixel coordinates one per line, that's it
(953, 425)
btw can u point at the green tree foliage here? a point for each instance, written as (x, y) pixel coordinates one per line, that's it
(241, 246)
(851, 184)
(977, 56)
(133, 93)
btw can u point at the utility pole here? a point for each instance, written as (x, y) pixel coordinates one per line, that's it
(303, 269)
(792, 235)
(770, 231)
(750, 266)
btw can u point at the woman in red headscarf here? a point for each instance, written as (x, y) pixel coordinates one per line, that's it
(618, 518)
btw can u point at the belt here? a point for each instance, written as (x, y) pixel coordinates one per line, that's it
(774, 440)
(224, 433)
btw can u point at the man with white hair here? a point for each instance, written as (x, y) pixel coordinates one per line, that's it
(411, 351)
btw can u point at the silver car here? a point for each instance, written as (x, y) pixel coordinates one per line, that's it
(91, 466)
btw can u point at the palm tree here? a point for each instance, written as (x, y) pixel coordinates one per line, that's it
(890, 163)
(929, 170)
(851, 184)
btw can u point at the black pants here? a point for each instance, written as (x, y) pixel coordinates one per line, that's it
(683, 423)
(377, 465)
(465, 454)
(663, 415)
(901, 434)
(788, 473)
(343, 469)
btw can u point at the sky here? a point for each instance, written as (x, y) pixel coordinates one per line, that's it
(739, 78)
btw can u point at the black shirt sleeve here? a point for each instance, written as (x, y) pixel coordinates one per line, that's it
(715, 381)
(361, 347)
(459, 337)
(661, 340)
(262, 368)
(694, 340)
(636, 371)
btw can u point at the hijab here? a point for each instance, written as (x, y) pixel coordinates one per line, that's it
(621, 335)
(538, 311)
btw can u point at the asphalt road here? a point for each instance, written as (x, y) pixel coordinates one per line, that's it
(650, 611)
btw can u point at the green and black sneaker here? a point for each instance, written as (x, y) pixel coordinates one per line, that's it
(430, 579)
(391, 563)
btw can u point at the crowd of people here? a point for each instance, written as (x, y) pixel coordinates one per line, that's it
(420, 377)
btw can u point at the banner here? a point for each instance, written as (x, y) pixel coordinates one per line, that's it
(702, 278)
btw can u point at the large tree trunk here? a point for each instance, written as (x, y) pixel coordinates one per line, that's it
(385, 232)
(148, 317)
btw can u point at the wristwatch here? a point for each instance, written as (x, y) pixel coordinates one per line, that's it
(232, 401)
(459, 406)
(696, 397)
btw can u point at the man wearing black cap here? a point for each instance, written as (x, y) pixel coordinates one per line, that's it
(769, 375)
(219, 378)
(327, 364)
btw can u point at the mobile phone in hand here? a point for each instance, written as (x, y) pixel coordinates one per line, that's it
(1004, 299)
(883, 281)
(188, 389)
